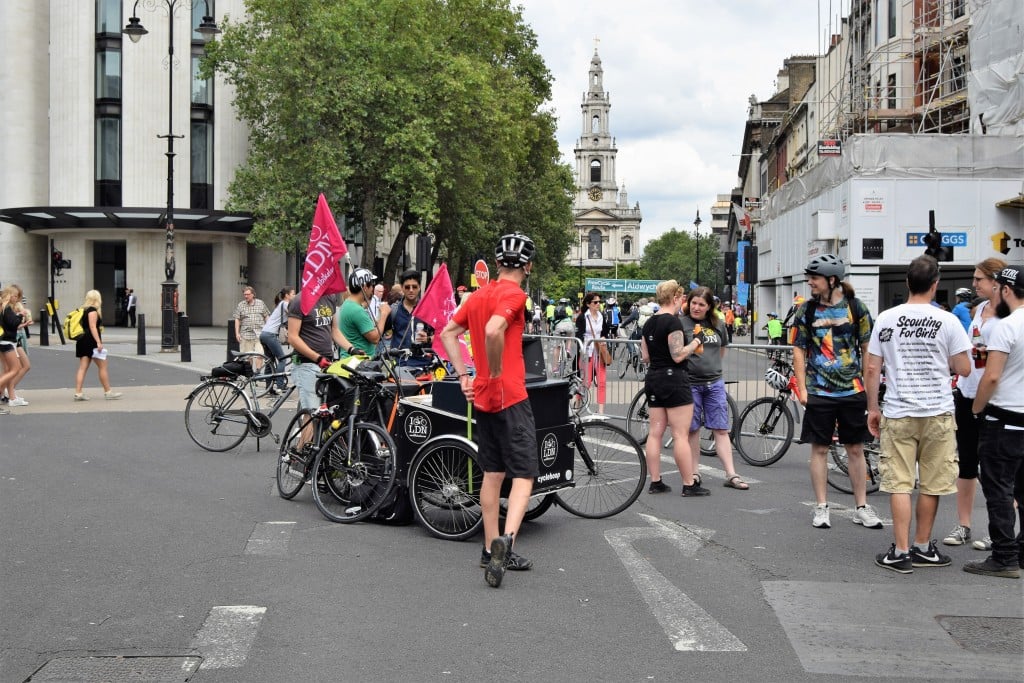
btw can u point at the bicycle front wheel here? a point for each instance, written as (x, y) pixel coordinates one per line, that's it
(838, 467)
(293, 462)
(350, 483)
(765, 431)
(444, 486)
(609, 470)
(638, 418)
(216, 416)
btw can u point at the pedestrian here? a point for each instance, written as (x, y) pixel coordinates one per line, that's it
(355, 321)
(831, 334)
(373, 304)
(250, 316)
(133, 305)
(730, 320)
(408, 332)
(495, 318)
(918, 344)
(20, 306)
(10, 321)
(89, 348)
(999, 405)
(270, 335)
(707, 384)
(982, 322)
(667, 388)
(591, 327)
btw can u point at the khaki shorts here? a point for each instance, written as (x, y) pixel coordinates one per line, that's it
(250, 346)
(919, 447)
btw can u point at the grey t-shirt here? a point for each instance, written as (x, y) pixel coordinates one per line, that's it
(316, 325)
(706, 367)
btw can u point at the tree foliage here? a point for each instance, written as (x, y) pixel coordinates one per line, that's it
(673, 255)
(425, 111)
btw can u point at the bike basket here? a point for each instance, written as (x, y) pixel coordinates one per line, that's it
(337, 391)
(232, 369)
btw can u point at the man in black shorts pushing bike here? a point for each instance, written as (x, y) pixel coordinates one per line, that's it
(495, 317)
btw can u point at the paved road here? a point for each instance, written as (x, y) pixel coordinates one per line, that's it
(121, 537)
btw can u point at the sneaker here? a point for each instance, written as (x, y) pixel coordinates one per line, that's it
(17, 401)
(515, 562)
(865, 515)
(659, 487)
(821, 519)
(898, 563)
(929, 558)
(694, 491)
(958, 536)
(81, 397)
(983, 544)
(112, 395)
(495, 570)
(989, 567)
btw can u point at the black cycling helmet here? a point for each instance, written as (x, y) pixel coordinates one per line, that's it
(359, 278)
(514, 250)
(826, 265)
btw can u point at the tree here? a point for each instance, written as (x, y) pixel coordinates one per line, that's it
(673, 256)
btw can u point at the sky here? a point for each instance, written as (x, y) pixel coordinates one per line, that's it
(679, 74)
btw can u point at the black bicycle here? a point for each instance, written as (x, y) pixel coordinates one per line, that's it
(765, 428)
(638, 423)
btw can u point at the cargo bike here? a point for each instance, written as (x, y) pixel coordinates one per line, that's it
(397, 439)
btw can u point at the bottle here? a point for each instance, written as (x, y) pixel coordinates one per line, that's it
(419, 331)
(979, 352)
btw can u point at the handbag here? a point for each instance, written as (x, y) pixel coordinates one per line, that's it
(282, 328)
(602, 348)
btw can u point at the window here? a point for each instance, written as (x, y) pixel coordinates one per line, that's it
(202, 88)
(108, 161)
(892, 91)
(595, 171)
(892, 18)
(958, 8)
(201, 141)
(108, 74)
(108, 17)
(627, 246)
(594, 244)
(595, 124)
(957, 82)
(198, 11)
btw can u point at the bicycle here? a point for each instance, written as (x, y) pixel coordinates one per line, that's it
(638, 419)
(629, 357)
(565, 355)
(765, 428)
(838, 466)
(224, 408)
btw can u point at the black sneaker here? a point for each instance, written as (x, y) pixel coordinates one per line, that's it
(989, 567)
(515, 562)
(495, 570)
(694, 491)
(659, 487)
(898, 563)
(929, 558)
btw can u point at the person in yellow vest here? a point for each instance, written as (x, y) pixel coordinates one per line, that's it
(774, 327)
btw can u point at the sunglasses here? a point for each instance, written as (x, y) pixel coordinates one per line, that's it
(410, 287)
(592, 303)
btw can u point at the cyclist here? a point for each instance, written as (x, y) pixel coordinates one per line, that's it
(962, 310)
(832, 330)
(774, 327)
(355, 321)
(494, 316)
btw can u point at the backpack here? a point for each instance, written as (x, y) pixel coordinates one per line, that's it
(560, 312)
(73, 324)
(811, 310)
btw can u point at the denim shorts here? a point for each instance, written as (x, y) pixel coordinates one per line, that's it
(710, 408)
(304, 377)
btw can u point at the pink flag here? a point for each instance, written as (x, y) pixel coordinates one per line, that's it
(436, 308)
(322, 274)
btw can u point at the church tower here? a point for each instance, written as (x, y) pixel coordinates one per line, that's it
(607, 228)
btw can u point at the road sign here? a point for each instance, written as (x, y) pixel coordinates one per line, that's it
(596, 284)
(482, 274)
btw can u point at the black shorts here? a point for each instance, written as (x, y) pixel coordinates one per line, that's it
(507, 441)
(966, 436)
(824, 412)
(667, 388)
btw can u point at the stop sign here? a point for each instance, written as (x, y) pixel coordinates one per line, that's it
(482, 274)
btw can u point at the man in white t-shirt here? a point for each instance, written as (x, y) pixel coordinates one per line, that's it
(920, 345)
(999, 405)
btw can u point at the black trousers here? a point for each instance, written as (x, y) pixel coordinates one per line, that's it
(1001, 452)
(131, 316)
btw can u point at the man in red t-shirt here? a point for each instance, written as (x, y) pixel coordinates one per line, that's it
(506, 436)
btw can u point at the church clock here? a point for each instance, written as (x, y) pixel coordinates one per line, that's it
(595, 194)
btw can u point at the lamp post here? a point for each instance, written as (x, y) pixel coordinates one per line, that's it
(581, 265)
(169, 288)
(696, 230)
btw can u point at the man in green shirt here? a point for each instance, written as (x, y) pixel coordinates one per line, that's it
(355, 321)
(774, 326)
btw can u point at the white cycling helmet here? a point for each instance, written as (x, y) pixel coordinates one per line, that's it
(775, 378)
(964, 293)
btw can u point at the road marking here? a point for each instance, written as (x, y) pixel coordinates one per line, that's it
(227, 635)
(270, 538)
(847, 512)
(712, 472)
(687, 625)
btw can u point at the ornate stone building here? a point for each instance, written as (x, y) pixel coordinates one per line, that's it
(607, 227)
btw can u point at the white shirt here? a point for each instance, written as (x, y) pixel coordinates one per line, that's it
(1008, 336)
(591, 330)
(916, 342)
(968, 385)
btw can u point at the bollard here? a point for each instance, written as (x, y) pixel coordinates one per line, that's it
(232, 342)
(44, 328)
(140, 337)
(184, 340)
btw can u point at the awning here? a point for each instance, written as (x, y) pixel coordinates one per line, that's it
(44, 218)
(1012, 203)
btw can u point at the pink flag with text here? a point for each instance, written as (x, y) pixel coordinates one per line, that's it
(436, 308)
(322, 274)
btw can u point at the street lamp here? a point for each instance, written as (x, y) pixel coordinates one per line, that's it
(135, 30)
(581, 264)
(696, 230)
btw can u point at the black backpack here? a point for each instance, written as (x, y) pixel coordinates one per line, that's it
(811, 310)
(560, 312)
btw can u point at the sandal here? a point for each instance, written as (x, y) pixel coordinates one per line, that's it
(736, 482)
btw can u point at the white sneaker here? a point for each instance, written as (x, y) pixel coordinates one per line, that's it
(866, 516)
(19, 401)
(112, 395)
(81, 397)
(958, 536)
(983, 544)
(821, 518)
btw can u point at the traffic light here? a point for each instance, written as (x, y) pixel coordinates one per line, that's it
(730, 267)
(933, 242)
(60, 263)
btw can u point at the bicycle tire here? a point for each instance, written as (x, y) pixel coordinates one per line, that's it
(445, 478)
(579, 395)
(756, 442)
(625, 358)
(293, 467)
(216, 416)
(707, 437)
(349, 487)
(838, 470)
(638, 418)
(536, 507)
(609, 470)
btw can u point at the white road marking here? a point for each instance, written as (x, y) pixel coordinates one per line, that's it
(270, 538)
(843, 511)
(227, 635)
(687, 625)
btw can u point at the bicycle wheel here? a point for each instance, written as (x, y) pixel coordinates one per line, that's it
(536, 507)
(624, 358)
(444, 485)
(637, 417)
(351, 485)
(579, 395)
(765, 431)
(293, 464)
(838, 467)
(216, 415)
(707, 437)
(609, 470)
